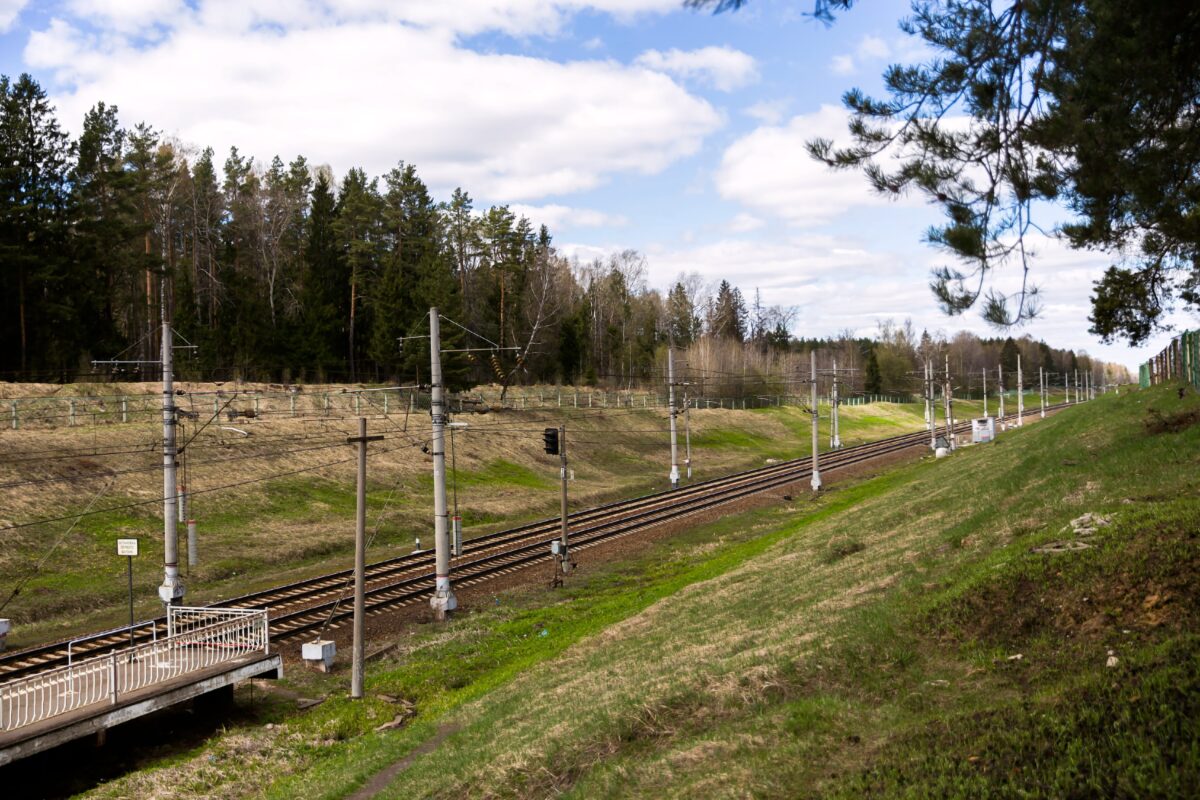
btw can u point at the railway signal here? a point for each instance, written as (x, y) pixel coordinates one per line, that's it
(560, 548)
(550, 438)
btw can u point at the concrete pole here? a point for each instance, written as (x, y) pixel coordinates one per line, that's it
(930, 406)
(927, 394)
(171, 591)
(816, 444)
(360, 565)
(1042, 389)
(947, 394)
(687, 434)
(193, 544)
(835, 439)
(443, 600)
(1020, 394)
(1000, 380)
(671, 399)
(985, 407)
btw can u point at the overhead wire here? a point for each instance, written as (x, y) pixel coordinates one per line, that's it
(155, 501)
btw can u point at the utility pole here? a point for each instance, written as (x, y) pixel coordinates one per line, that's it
(1020, 394)
(171, 591)
(360, 559)
(925, 391)
(671, 401)
(985, 391)
(930, 405)
(947, 393)
(443, 600)
(687, 434)
(835, 439)
(1042, 389)
(1000, 380)
(816, 472)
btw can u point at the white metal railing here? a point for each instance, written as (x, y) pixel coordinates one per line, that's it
(198, 638)
(150, 625)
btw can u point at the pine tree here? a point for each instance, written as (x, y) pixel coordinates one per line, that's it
(324, 284)
(35, 290)
(872, 378)
(359, 239)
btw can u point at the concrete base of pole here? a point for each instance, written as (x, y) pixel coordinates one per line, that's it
(443, 600)
(171, 591)
(816, 482)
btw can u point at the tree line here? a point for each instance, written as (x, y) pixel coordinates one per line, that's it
(282, 272)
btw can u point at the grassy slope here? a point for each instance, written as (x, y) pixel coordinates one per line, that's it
(862, 645)
(284, 529)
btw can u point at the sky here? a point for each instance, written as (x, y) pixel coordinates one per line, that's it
(618, 123)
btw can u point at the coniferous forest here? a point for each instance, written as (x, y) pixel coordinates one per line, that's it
(285, 271)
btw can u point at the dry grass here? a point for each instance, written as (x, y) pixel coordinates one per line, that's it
(288, 511)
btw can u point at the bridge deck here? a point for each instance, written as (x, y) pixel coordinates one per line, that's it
(91, 719)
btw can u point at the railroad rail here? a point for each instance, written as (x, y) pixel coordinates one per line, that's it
(312, 603)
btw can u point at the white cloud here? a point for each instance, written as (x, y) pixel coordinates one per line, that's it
(842, 65)
(722, 68)
(506, 127)
(768, 111)
(744, 223)
(461, 17)
(9, 11)
(769, 170)
(128, 16)
(872, 47)
(874, 51)
(559, 218)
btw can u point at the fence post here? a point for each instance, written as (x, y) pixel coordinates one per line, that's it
(112, 676)
(71, 403)
(16, 423)
(124, 409)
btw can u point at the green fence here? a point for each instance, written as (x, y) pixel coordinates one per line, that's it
(1178, 361)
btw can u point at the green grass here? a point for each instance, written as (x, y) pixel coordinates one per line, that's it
(898, 637)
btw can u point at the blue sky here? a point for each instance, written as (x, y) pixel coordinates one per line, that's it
(620, 123)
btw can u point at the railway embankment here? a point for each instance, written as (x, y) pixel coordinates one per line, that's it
(1019, 619)
(273, 493)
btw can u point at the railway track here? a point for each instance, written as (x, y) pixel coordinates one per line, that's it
(311, 604)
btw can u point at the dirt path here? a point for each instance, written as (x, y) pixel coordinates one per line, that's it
(380, 780)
